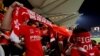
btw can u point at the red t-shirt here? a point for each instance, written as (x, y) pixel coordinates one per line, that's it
(32, 38)
(75, 52)
(83, 40)
(96, 50)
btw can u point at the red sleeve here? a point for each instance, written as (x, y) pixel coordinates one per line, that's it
(96, 50)
(74, 52)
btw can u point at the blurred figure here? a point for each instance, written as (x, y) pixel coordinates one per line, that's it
(4, 36)
(95, 48)
(5, 41)
(1, 51)
(99, 46)
(6, 22)
(32, 38)
(82, 38)
(1, 17)
(17, 49)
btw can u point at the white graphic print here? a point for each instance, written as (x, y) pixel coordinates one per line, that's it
(17, 24)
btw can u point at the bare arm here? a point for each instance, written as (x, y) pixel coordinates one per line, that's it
(18, 45)
(6, 37)
(6, 23)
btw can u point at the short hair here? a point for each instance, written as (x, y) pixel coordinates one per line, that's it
(79, 30)
(94, 42)
(31, 22)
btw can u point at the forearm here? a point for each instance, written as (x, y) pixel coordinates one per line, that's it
(18, 45)
(60, 44)
(6, 37)
(6, 24)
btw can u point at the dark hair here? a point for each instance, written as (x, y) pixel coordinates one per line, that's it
(79, 30)
(93, 42)
(31, 22)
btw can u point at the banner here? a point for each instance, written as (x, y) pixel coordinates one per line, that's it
(22, 14)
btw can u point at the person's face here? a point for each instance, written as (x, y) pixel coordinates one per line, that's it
(34, 25)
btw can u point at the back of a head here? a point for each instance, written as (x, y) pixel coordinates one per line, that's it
(93, 42)
(31, 22)
(79, 30)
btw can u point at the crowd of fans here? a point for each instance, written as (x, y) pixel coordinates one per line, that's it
(37, 39)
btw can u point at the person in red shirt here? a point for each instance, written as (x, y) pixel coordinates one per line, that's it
(5, 41)
(32, 38)
(99, 46)
(95, 48)
(4, 35)
(82, 38)
(74, 52)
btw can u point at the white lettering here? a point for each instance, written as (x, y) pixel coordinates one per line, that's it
(84, 39)
(17, 24)
(35, 38)
(87, 47)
